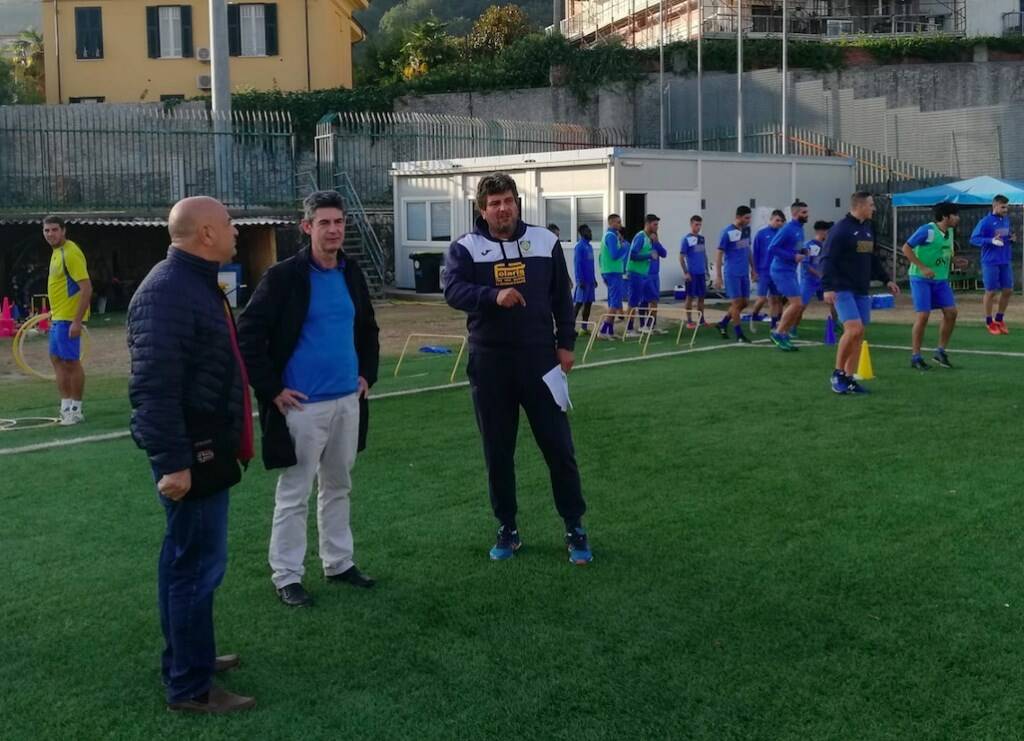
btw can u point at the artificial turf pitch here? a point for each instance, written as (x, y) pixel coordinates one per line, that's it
(771, 561)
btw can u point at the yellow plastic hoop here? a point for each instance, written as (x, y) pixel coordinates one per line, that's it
(16, 425)
(17, 347)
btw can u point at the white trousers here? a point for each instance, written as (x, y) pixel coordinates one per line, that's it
(326, 435)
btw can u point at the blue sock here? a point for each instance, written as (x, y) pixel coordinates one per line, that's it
(988, 319)
(999, 317)
(724, 322)
(629, 326)
(775, 321)
(739, 330)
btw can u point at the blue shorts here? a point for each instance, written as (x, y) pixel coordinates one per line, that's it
(62, 346)
(653, 288)
(697, 286)
(616, 289)
(583, 295)
(851, 307)
(931, 294)
(809, 290)
(638, 290)
(765, 285)
(737, 286)
(786, 282)
(997, 277)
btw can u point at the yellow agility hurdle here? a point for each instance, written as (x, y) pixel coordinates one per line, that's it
(18, 347)
(458, 359)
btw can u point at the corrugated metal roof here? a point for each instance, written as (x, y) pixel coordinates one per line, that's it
(100, 221)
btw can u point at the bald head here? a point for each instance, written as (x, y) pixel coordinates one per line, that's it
(202, 226)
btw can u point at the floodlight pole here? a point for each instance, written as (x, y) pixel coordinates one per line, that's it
(221, 88)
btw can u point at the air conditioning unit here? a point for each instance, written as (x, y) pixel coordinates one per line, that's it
(203, 54)
(204, 82)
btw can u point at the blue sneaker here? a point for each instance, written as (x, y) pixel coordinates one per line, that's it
(840, 383)
(506, 545)
(579, 547)
(856, 388)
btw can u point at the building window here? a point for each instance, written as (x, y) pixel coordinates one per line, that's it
(88, 99)
(569, 213)
(169, 31)
(252, 30)
(428, 221)
(89, 33)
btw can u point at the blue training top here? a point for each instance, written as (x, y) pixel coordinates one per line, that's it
(655, 268)
(784, 247)
(813, 250)
(735, 243)
(692, 247)
(991, 228)
(762, 255)
(583, 263)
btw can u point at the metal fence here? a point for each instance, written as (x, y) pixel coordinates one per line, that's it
(86, 157)
(365, 145)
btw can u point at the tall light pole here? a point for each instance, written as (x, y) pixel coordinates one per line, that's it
(661, 70)
(700, 75)
(221, 87)
(785, 77)
(739, 76)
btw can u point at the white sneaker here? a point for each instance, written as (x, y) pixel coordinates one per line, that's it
(631, 334)
(71, 417)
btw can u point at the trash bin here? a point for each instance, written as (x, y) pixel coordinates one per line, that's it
(427, 268)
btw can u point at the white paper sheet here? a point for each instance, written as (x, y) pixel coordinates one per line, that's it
(558, 383)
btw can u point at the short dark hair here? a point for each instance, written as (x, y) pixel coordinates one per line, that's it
(1000, 199)
(778, 212)
(613, 216)
(553, 227)
(822, 226)
(650, 219)
(583, 227)
(321, 199)
(742, 210)
(51, 219)
(798, 204)
(859, 197)
(492, 185)
(696, 217)
(942, 210)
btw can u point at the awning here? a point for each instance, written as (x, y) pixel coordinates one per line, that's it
(974, 192)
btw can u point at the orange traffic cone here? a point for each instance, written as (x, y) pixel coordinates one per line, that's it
(6, 320)
(44, 325)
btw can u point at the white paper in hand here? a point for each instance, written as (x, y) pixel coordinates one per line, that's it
(558, 383)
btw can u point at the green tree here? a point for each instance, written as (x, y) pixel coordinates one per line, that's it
(8, 93)
(427, 45)
(26, 57)
(497, 28)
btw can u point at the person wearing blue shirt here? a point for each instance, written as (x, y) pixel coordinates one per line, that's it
(693, 259)
(766, 290)
(850, 262)
(586, 279)
(611, 262)
(787, 253)
(734, 255)
(994, 235)
(641, 252)
(654, 284)
(810, 269)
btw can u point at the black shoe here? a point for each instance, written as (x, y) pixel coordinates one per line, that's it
(919, 364)
(353, 576)
(743, 338)
(294, 595)
(942, 359)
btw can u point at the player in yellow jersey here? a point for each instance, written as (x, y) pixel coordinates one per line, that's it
(69, 291)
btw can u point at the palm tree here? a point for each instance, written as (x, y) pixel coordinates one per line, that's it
(27, 55)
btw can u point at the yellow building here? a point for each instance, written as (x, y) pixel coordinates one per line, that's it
(127, 51)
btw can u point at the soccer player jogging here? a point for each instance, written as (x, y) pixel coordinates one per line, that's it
(787, 252)
(994, 235)
(693, 258)
(810, 269)
(639, 268)
(850, 264)
(610, 262)
(930, 252)
(586, 280)
(734, 253)
(766, 290)
(69, 292)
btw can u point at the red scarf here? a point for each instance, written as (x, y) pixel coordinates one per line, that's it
(245, 446)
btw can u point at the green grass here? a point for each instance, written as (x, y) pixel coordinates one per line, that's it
(772, 561)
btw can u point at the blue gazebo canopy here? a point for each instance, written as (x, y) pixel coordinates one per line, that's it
(974, 192)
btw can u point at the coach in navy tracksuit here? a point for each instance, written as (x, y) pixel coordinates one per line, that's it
(511, 280)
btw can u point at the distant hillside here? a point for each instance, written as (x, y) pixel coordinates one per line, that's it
(448, 10)
(17, 15)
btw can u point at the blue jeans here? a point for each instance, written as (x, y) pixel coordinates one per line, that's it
(192, 563)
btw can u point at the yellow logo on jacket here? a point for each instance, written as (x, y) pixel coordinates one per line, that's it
(865, 246)
(509, 274)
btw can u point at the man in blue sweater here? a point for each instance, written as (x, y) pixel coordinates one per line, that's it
(787, 252)
(850, 264)
(994, 235)
(734, 253)
(766, 290)
(586, 280)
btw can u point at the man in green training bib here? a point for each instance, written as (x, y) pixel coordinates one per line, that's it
(930, 252)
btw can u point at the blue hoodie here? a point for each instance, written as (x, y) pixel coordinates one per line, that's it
(989, 227)
(583, 263)
(849, 257)
(784, 247)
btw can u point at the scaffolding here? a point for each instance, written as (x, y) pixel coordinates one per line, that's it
(637, 22)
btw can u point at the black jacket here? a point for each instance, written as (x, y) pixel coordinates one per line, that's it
(269, 329)
(850, 258)
(478, 266)
(182, 364)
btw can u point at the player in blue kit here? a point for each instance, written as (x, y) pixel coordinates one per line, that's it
(693, 259)
(994, 235)
(734, 255)
(787, 252)
(766, 290)
(586, 279)
(810, 270)
(612, 265)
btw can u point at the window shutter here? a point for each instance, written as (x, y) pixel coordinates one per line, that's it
(270, 25)
(234, 31)
(153, 31)
(186, 30)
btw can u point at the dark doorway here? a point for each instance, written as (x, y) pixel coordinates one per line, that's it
(633, 216)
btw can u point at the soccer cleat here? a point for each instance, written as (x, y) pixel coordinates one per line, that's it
(723, 331)
(605, 336)
(703, 323)
(71, 417)
(993, 328)
(579, 547)
(856, 388)
(919, 364)
(631, 334)
(691, 325)
(840, 383)
(1003, 329)
(942, 359)
(743, 338)
(506, 545)
(777, 339)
